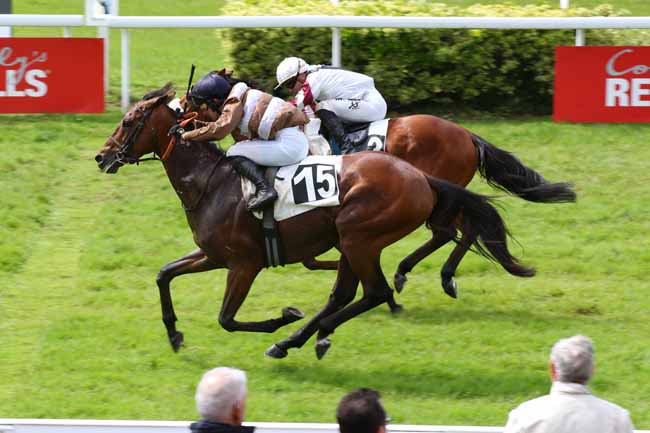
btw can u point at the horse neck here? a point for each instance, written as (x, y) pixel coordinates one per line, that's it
(192, 167)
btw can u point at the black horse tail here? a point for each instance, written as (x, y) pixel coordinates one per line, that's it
(503, 170)
(478, 216)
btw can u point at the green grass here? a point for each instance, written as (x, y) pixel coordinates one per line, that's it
(81, 335)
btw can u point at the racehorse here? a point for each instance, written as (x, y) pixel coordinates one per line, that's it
(382, 199)
(448, 151)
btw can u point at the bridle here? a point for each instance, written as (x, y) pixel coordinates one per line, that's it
(122, 154)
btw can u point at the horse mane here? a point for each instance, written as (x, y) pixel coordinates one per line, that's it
(160, 92)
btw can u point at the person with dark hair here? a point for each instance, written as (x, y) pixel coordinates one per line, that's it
(361, 411)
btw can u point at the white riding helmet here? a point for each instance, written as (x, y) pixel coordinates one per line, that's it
(289, 68)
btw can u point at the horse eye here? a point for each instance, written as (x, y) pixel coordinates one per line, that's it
(127, 123)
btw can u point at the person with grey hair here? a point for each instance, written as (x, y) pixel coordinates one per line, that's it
(221, 402)
(570, 407)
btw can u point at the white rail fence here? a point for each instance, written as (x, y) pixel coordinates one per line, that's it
(105, 426)
(580, 24)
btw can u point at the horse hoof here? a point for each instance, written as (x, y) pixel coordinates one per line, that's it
(396, 308)
(449, 285)
(399, 280)
(177, 341)
(322, 346)
(291, 314)
(276, 352)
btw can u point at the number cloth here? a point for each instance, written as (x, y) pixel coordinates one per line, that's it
(314, 182)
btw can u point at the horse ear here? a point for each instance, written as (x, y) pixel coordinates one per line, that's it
(222, 72)
(170, 95)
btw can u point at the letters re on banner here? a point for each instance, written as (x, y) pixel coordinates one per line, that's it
(602, 84)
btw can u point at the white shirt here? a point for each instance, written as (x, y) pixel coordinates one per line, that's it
(569, 408)
(324, 83)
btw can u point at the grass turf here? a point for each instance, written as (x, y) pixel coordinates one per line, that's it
(79, 251)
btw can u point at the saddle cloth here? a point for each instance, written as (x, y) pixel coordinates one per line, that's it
(312, 183)
(365, 136)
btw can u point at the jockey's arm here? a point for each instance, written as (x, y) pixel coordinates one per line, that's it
(231, 114)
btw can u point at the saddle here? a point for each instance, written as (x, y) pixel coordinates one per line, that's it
(362, 136)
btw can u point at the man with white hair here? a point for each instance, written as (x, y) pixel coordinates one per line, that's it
(570, 407)
(221, 402)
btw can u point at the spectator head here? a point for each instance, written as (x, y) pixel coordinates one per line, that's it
(221, 395)
(572, 360)
(361, 411)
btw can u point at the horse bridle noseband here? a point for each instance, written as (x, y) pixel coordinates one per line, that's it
(122, 154)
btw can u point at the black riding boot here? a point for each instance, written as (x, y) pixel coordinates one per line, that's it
(265, 194)
(334, 127)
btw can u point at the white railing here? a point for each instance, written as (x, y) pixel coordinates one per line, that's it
(106, 426)
(313, 21)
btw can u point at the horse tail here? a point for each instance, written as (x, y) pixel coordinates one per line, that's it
(477, 215)
(503, 170)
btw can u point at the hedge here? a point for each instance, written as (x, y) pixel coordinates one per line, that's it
(491, 70)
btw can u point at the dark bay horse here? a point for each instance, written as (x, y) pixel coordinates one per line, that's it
(447, 151)
(382, 199)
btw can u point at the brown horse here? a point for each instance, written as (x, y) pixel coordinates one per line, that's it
(382, 199)
(448, 151)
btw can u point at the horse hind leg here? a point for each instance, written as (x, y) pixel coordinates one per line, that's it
(194, 262)
(376, 291)
(345, 288)
(438, 239)
(449, 268)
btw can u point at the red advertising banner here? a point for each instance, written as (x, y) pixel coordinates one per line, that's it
(602, 84)
(51, 75)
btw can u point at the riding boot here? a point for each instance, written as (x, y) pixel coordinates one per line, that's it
(334, 127)
(265, 194)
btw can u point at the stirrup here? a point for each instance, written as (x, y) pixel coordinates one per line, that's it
(260, 201)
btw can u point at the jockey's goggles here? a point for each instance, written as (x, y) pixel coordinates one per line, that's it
(198, 101)
(290, 82)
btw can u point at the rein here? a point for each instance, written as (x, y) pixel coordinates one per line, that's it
(188, 117)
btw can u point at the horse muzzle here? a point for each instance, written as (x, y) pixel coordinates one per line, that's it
(109, 164)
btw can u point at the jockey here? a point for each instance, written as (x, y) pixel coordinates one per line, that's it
(265, 129)
(334, 94)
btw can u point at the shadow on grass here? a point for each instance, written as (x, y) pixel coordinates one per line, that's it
(442, 380)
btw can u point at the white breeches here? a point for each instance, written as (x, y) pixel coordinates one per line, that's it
(368, 109)
(288, 147)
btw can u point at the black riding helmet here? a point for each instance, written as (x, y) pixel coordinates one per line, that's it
(212, 90)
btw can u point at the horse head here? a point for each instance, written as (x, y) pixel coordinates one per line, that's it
(142, 130)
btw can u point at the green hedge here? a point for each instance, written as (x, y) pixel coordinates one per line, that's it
(485, 69)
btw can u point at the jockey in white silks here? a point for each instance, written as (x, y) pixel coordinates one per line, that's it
(334, 94)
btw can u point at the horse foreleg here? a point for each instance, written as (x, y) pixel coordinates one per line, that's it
(449, 268)
(196, 261)
(314, 265)
(240, 280)
(345, 288)
(438, 239)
